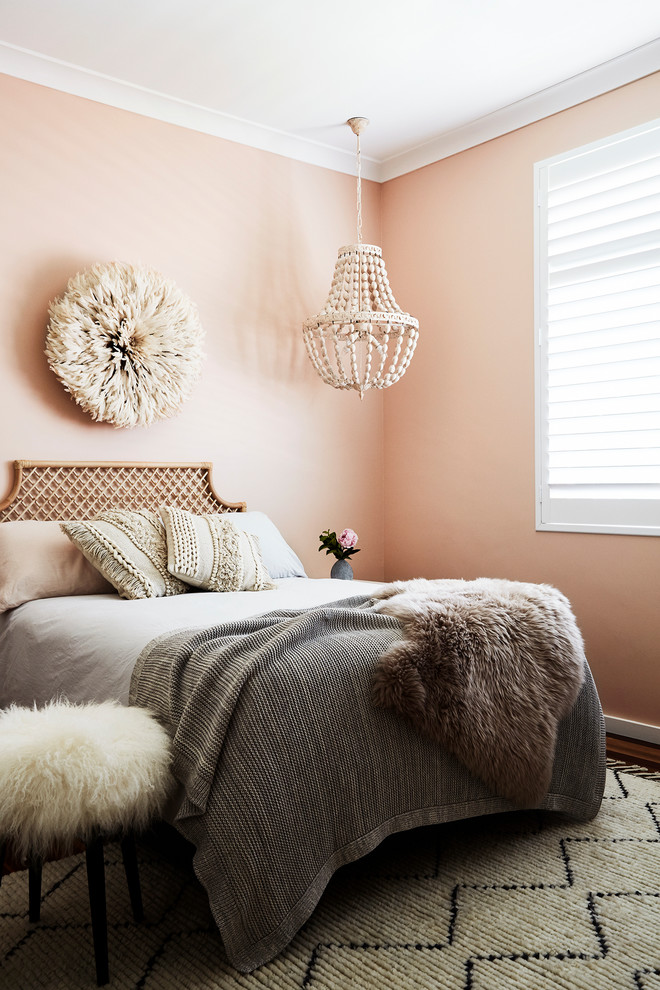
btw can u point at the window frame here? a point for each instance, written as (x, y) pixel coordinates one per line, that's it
(580, 515)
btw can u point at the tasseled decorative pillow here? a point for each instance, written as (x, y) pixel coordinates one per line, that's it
(210, 552)
(129, 548)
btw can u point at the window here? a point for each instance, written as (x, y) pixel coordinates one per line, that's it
(597, 311)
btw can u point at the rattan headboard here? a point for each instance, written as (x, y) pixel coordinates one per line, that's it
(78, 490)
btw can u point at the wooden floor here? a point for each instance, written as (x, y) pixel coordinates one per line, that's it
(631, 751)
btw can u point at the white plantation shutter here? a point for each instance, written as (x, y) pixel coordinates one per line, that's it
(598, 325)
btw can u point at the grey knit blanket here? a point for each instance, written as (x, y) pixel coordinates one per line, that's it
(290, 771)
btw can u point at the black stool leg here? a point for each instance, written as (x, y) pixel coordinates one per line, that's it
(129, 855)
(96, 885)
(34, 887)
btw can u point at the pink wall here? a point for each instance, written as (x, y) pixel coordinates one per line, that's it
(252, 238)
(459, 428)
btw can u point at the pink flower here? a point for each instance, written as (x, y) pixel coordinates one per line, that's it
(348, 539)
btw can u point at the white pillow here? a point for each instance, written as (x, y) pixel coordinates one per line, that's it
(278, 557)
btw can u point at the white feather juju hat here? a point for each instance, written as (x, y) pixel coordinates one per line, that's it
(126, 343)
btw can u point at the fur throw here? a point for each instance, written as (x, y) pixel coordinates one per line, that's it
(67, 770)
(487, 668)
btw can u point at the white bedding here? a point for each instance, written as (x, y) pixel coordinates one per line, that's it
(84, 647)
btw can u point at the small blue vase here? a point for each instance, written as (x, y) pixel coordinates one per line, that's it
(342, 569)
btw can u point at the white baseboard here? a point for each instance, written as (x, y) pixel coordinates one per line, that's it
(633, 730)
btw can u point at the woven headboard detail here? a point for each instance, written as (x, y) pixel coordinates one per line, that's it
(78, 490)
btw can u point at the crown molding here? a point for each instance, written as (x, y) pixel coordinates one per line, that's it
(72, 79)
(640, 62)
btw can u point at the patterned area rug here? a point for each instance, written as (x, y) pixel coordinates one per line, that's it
(523, 901)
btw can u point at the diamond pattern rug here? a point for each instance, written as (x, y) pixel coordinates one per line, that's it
(525, 900)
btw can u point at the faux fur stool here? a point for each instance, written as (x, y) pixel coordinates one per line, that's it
(80, 772)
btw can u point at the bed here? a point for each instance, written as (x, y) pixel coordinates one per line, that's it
(286, 767)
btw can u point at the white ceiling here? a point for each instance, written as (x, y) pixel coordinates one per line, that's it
(432, 75)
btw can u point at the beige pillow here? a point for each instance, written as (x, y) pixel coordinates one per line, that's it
(37, 561)
(211, 552)
(129, 548)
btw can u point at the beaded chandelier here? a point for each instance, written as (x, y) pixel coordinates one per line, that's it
(361, 339)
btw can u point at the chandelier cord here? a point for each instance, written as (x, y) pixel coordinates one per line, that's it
(359, 192)
(359, 220)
